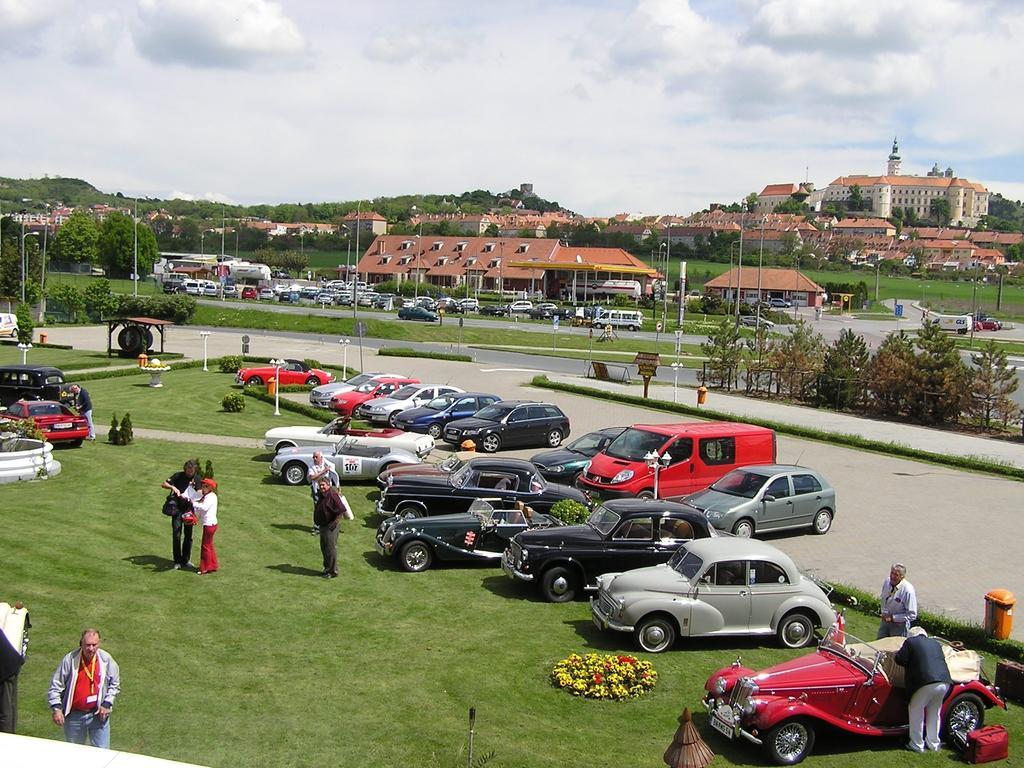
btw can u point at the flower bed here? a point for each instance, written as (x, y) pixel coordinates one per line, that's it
(596, 676)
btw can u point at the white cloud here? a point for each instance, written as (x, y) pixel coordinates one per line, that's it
(23, 24)
(213, 197)
(227, 34)
(97, 40)
(427, 47)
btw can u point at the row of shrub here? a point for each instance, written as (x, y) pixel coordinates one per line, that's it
(407, 352)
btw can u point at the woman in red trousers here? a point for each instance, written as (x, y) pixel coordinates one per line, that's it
(206, 508)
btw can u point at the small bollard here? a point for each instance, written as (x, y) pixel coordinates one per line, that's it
(702, 394)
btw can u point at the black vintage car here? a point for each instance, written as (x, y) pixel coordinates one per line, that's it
(496, 310)
(564, 464)
(619, 535)
(484, 477)
(510, 423)
(479, 534)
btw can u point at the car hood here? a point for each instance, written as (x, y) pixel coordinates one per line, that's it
(413, 414)
(472, 423)
(333, 389)
(714, 500)
(435, 522)
(433, 482)
(653, 578)
(609, 466)
(563, 536)
(292, 431)
(387, 402)
(401, 474)
(558, 456)
(818, 669)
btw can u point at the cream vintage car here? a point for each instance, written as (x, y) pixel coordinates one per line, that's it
(718, 586)
(339, 430)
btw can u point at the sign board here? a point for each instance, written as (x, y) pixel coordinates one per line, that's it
(647, 362)
(360, 328)
(462, 320)
(554, 322)
(657, 326)
(898, 309)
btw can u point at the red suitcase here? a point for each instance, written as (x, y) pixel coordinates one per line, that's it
(987, 744)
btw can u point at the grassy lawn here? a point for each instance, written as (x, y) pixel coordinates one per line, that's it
(265, 663)
(65, 359)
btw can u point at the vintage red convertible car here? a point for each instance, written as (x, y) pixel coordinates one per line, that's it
(58, 423)
(292, 372)
(345, 403)
(847, 685)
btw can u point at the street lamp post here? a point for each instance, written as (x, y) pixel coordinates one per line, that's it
(24, 352)
(277, 363)
(135, 251)
(656, 462)
(206, 336)
(24, 259)
(675, 381)
(663, 260)
(739, 272)
(344, 356)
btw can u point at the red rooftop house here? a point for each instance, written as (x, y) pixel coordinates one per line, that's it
(789, 284)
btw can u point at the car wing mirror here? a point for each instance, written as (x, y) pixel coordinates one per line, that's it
(768, 497)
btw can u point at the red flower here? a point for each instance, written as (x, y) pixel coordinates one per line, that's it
(598, 678)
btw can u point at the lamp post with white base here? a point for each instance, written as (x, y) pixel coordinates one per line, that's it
(206, 336)
(277, 363)
(344, 357)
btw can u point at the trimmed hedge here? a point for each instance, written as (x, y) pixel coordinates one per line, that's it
(289, 405)
(833, 438)
(407, 352)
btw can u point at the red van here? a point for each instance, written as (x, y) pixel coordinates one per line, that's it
(699, 453)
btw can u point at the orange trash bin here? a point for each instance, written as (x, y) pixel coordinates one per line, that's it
(143, 360)
(999, 605)
(702, 394)
(271, 386)
(42, 337)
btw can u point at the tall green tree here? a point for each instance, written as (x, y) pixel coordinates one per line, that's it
(78, 239)
(995, 381)
(942, 380)
(856, 202)
(890, 376)
(798, 358)
(841, 384)
(724, 351)
(117, 245)
(939, 210)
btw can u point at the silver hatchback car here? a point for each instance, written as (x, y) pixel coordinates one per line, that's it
(770, 497)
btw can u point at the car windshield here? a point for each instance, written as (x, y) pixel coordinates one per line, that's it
(603, 520)
(685, 563)
(463, 476)
(336, 427)
(634, 444)
(450, 464)
(405, 393)
(367, 387)
(587, 444)
(495, 412)
(741, 482)
(440, 403)
(362, 378)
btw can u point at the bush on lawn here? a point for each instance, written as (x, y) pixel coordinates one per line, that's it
(570, 512)
(127, 433)
(230, 364)
(233, 402)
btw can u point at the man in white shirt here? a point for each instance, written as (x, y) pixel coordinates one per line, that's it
(899, 603)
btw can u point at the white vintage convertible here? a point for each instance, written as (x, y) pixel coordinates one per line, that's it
(333, 433)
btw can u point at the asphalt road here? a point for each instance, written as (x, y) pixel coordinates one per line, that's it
(954, 530)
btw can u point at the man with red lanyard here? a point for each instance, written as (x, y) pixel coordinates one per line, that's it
(83, 690)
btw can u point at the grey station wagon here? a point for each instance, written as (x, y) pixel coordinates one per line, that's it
(770, 497)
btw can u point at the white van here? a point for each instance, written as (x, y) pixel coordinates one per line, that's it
(193, 287)
(629, 319)
(959, 323)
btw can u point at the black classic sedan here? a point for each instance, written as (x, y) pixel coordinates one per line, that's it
(509, 480)
(480, 534)
(564, 464)
(619, 535)
(509, 424)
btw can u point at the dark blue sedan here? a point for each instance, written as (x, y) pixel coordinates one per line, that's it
(431, 418)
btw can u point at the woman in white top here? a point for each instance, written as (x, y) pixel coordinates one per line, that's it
(206, 508)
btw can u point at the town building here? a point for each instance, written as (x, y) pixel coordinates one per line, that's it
(753, 285)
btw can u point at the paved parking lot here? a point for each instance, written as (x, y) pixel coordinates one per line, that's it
(956, 531)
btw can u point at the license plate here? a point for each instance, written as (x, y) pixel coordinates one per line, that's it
(63, 426)
(721, 726)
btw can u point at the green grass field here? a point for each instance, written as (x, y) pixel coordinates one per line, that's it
(266, 663)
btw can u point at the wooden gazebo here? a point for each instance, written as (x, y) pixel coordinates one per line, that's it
(136, 335)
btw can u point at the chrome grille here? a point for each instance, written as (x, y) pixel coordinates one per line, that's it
(606, 603)
(742, 691)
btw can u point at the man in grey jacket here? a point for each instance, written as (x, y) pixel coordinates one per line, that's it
(83, 690)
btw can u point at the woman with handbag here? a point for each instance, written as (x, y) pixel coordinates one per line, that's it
(179, 500)
(206, 508)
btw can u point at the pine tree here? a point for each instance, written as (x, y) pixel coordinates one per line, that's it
(114, 435)
(841, 383)
(943, 380)
(798, 357)
(724, 352)
(126, 433)
(891, 374)
(994, 383)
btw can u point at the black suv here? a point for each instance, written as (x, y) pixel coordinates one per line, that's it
(509, 424)
(618, 536)
(30, 382)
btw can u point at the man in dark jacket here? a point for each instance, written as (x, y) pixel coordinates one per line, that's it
(84, 404)
(327, 516)
(928, 681)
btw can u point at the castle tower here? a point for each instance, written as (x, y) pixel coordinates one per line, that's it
(893, 168)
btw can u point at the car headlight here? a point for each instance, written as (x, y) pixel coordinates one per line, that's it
(713, 514)
(375, 409)
(719, 686)
(471, 431)
(557, 469)
(623, 476)
(391, 481)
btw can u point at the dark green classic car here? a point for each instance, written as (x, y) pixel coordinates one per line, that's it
(480, 534)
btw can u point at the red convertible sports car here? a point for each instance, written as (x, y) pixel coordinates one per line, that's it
(346, 402)
(292, 372)
(57, 422)
(846, 684)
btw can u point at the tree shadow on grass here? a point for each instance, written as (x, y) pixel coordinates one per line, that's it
(295, 570)
(152, 562)
(292, 527)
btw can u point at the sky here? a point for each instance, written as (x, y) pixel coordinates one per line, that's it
(643, 107)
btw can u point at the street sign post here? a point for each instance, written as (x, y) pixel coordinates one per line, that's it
(554, 331)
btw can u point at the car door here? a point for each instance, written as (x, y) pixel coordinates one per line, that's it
(675, 479)
(807, 498)
(462, 408)
(517, 426)
(723, 588)
(776, 508)
(632, 545)
(769, 588)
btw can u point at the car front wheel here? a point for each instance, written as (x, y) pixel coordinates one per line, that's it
(558, 585)
(490, 443)
(415, 557)
(790, 741)
(253, 381)
(796, 631)
(391, 418)
(744, 529)
(554, 438)
(655, 634)
(312, 381)
(434, 430)
(964, 714)
(822, 522)
(294, 473)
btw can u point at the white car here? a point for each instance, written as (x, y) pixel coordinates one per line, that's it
(469, 305)
(385, 409)
(267, 294)
(8, 324)
(522, 306)
(321, 396)
(338, 430)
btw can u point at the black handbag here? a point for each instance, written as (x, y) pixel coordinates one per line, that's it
(170, 507)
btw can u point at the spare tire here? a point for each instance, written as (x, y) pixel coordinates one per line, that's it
(132, 340)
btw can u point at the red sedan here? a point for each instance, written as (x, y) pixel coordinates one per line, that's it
(292, 372)
(346, 402)
(58, 423)
(249, 293)
(988, 324)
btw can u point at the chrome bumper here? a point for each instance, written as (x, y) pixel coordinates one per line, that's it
(275, 471)
(722, 718)
(510, 569)
(603, 621)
